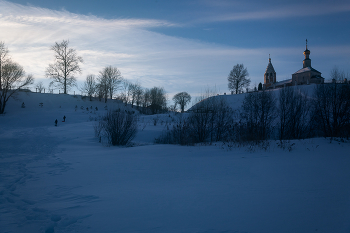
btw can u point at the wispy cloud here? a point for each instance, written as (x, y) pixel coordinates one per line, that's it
(34, 15)
(227, 11)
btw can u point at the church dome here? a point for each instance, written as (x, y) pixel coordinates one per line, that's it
(307, 52)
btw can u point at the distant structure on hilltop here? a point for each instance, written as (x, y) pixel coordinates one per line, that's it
(270, 75)
(304, 76)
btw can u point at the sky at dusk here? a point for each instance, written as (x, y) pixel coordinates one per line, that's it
(180, 45)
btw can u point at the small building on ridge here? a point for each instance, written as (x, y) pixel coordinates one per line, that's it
(304, 76)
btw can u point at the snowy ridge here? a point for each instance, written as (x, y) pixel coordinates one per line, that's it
(235, 101)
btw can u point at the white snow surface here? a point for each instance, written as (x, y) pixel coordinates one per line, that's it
(61, 179)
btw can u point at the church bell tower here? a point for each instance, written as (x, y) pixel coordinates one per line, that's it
(270, 75)
(307, 60)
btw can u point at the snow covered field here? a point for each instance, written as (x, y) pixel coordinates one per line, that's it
(61, 179)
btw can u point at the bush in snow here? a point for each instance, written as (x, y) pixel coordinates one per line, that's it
(211, 121)
(181, 133)
(118, 127)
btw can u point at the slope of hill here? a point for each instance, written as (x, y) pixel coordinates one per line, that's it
(54, 106)
(60, 179)
(235, 101)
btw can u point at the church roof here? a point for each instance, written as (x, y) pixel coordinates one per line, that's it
(306, 69)
(270, 68)
(281, 83)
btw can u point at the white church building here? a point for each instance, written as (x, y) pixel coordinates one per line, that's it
(304, 76)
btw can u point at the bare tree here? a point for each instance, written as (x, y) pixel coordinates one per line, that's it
(238, 78)
(114, 79)
(224, 121)
(257, 115)
(331, 107)
(65, 65)
(157, 99)
(337, 75)
(125, 93)
(131, 94)
(99, 91)
(293, 113)
(109, 79)
(89, 87)
(4, 59)
(136, 92)
(40, 87)
(13, 79)
(182, 99)
(103, 86)
(146, 99)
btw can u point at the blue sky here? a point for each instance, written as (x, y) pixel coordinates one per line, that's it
(180, 45)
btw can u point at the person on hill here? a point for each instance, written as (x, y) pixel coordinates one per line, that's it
(64, 118)
(56, 122)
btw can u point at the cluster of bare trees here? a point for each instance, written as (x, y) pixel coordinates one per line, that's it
(289, 114)
(331, 109)
(257, 116)
(155, 100)
(12, 77)
(294, 114)
(105, 85)
(109, 84)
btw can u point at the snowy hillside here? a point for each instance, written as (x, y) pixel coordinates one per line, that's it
(61, 179)
(235, 101)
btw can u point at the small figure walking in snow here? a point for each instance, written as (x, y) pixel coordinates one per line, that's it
(56, 122)
(64, 119)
